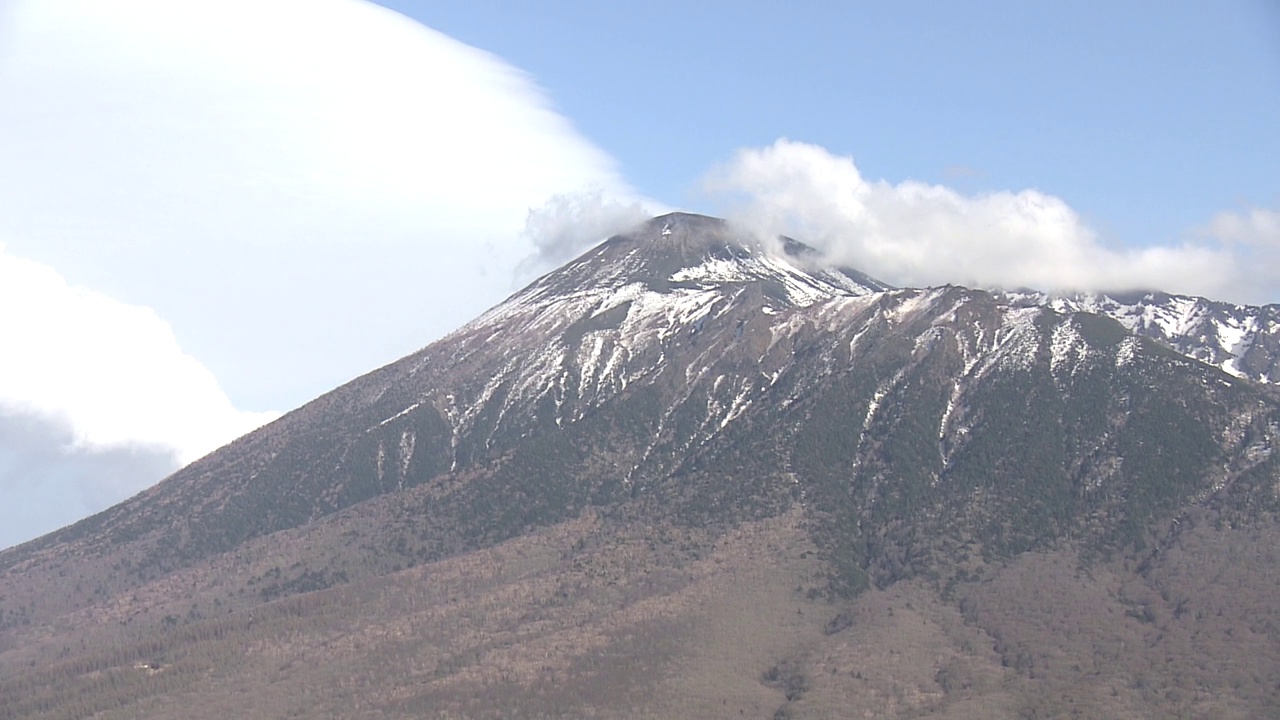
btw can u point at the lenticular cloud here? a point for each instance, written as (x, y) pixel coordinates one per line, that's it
(208, 206)
(913, 233)
(267, 174)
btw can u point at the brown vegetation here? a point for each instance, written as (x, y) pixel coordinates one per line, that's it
(593, 618)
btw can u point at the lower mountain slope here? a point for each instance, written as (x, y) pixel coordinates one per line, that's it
(690, 474)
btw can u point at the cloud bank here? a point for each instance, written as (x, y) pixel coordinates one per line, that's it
(1257, 228)
(113, 372)
(212, 206)
(913, 233)
(97, 401)
(271, 174)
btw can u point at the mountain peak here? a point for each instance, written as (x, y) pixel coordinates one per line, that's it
(683, 252)
(683, 237)
(679, 226)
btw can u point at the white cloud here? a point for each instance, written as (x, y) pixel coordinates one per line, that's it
(568, 224)
(1253, 239)
(1258, 227)
(299, 190)
(913, 233)
(97, 401)
(304, 189)
(113, 373)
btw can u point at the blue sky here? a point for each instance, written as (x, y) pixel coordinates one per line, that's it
(213, 211)
(1147, 117)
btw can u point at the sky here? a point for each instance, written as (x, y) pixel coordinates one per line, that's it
(212, 212)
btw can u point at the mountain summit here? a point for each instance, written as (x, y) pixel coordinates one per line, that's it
(695, 473)
(681, 251)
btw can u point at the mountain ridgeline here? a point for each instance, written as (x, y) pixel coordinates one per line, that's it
(642, 414)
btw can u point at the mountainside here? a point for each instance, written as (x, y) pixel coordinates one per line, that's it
(690, 474)
(1243, 340)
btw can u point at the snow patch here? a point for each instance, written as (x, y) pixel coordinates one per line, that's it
(951, 407)
(402, 413)
(1016, 342)
(915, 302)
(1126, 352)
(740, 404)
(407, 441)
(802, 288)
(1067, 349)
(879, 397)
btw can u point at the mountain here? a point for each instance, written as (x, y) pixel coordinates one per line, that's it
(1243, 340)
(696, 474)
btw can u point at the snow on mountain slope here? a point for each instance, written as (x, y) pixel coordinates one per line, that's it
(683, 370)
(1242, 340)
(686, 290)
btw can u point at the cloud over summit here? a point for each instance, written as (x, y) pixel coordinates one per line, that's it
(568, 224)
(914, 233)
